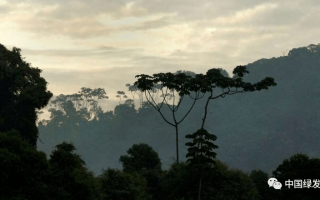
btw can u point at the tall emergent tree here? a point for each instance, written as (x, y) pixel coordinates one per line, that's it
(168, 89)
(213, 83)
(85, 101)
(217, 85)
(22, 92)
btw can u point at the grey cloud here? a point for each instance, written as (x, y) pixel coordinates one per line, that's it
(283, 14)
(151, 24)
(198, 62)
(3, 10)
(76, 22)
(102, 51)
(310, 20)
(80, 19)
(78, 28)
(102, 57)
(185, 9)
(80, 8)
(197, 10)
(265, 34)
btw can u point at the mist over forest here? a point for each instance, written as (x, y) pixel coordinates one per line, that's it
(270, 129)
(254, 130)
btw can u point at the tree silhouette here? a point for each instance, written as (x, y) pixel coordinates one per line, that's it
(120, 95)
(122, 186)
(200, 153)
(145, 161)
(169, 84)
(200, 150)
(172, 87)
(24, 171)
(22, 92)
(215, 82)
(135, 91)
(260, 178)
(86, 100)
(70, 178)
(219, 183)
(299, 167)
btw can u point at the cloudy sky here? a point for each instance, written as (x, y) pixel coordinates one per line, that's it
(105, 43)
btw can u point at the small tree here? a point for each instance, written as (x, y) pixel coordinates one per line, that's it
(70, 178)
(145, 161)
(200, 154)
(120, 95)
(141, 157)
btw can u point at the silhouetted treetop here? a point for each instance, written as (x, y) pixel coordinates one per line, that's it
(141, 157)
(312, 49)
(22, 91)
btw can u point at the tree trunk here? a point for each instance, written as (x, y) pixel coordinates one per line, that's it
(177, 144)
(199, 197)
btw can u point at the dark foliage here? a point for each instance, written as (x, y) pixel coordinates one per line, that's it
(144, 161)
(260, 179)
(141, 157)
(220, 183)
(24, 171)
(299, 167)
(22, 91)
(116, 185)
(70, 178)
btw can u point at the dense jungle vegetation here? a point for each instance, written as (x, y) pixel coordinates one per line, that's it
(84, 152)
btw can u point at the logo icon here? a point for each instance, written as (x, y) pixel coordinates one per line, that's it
(273, 182)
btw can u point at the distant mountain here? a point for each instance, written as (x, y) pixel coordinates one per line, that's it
(269, 126)
(255, 130)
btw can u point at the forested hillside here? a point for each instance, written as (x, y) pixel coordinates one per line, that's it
(254, 130)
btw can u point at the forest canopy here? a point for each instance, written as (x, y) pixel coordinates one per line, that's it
(22, 92)
(257, 132)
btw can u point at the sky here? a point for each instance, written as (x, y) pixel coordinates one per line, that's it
(106, 43)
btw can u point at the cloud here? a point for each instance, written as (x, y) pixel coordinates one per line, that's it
(101, 51)
(197, 10)
(76, 28)
(151, 24)
(78, 8)
(82, 19)
(107, 42)
(3, 9)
